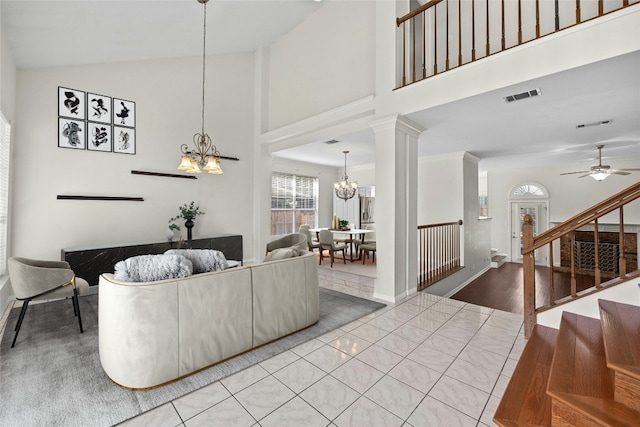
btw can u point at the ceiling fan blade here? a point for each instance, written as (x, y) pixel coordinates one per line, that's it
(572, 173)
(618, 172)
(588, 174)
(628, 169)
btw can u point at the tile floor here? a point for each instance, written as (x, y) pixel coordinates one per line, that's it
(426, 361)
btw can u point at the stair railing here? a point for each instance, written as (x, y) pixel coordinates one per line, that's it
(438, 252)
(588, 218)
(444, 34)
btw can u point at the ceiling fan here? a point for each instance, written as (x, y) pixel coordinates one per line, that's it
(601, 172)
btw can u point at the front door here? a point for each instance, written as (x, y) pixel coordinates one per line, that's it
(538, 211)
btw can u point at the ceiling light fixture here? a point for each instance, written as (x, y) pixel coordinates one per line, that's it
(205, 155)
(345, 189)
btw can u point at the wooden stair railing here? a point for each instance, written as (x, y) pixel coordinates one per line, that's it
(569, 227)
(438, 252)
(584, 374)
(444, 34)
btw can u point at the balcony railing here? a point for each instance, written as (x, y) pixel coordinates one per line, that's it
(445, 34)
(438, 252)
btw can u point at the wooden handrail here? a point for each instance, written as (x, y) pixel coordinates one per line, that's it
(458, 222)
(569, 228)
(606, 206)
(416, 12)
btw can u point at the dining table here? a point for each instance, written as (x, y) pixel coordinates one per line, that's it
(351, 232)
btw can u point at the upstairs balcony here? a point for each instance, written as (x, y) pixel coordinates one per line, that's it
(445, 34)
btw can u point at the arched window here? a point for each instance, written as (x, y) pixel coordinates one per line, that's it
(529, 191)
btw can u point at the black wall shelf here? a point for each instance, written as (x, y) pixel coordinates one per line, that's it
(168, 175)
(103, 198)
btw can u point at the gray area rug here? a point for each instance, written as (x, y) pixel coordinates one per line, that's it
(53, 376)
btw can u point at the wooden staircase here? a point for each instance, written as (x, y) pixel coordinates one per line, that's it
(586, 373)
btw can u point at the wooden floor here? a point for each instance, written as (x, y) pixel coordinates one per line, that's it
(502, 288)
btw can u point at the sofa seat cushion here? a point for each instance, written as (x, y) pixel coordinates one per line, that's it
(203, 260)
(150, 268)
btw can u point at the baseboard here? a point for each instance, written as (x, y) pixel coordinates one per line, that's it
(466, 282)
(6, 294)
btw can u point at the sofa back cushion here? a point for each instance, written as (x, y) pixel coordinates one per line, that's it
(149, 268)
(203, 260)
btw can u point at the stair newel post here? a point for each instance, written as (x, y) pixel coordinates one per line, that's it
(528, 268)
(596, 244)
(552, 286)
(623, 263)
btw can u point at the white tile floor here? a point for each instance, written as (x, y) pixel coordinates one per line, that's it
(426, 361)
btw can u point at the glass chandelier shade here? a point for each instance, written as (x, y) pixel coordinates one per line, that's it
(204, 155)
(344, 189)
(599, 175)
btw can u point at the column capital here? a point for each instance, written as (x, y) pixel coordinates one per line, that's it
(396, 121)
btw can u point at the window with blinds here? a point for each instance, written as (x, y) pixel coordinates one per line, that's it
(294, 201)
(5, 138)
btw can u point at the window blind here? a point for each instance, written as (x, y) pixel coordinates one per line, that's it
(294, 201)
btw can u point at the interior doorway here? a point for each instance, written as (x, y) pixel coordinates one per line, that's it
(533, 200)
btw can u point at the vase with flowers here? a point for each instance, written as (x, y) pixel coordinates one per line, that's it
(188, 213)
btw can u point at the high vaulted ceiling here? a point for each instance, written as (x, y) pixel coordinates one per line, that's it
(536, 131)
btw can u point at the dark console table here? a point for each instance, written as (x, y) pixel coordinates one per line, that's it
(90, 262)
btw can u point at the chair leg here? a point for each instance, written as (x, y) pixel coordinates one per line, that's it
(332, 255)
(362, 254)
(76, 308)
(344, 255)
(25, 304)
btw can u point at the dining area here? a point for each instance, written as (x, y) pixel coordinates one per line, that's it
(347, 243)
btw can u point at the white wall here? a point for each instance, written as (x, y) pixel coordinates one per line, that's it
(168, 108)
(7, 105)
(568, 195)
(327, 61)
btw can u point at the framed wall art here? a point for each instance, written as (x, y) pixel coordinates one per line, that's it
(99, 108)
(71, 133)
(124, 113)
(71, 103)
(99, 137)
(124, 140)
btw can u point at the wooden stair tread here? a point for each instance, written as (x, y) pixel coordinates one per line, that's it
(604, 411)
(524, 402)
(621, 330)
(579, 363)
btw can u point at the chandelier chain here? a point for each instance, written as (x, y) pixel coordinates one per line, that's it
(204, 53)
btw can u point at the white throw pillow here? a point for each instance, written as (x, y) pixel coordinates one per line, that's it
(149, 268)
(282, 253)
(203, 260)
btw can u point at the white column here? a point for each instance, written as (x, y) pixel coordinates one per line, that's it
(396, 141)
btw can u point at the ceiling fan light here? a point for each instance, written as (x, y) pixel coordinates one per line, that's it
(599, 176)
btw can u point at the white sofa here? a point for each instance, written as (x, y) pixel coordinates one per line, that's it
(151, 333)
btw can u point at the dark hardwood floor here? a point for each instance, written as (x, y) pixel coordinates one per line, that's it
(502, 288)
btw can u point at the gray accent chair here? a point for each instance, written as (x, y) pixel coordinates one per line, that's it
(328, 244)
(296, 240)
(311, 244)
(37, 280)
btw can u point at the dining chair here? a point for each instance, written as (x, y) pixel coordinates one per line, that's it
(38, 280)
(327, 243)
(311, 243)
(365, 248)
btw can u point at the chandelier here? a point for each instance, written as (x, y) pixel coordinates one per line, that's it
(204, 155)
(345, 189)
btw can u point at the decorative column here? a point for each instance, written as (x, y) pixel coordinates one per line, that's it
(396, 140)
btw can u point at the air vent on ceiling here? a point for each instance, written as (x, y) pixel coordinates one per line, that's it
(523, 95)
(331, 141)
(586, 125)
